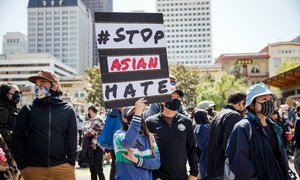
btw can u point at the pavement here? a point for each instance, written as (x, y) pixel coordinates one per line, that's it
(84, 173)
(291, 165)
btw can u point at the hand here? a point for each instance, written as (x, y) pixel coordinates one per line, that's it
(130, 156)
(140, 106)
(192, 177)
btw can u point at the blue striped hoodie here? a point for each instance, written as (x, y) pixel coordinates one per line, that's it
(123, 140)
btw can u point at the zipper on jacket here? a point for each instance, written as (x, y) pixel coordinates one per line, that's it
(49, 134)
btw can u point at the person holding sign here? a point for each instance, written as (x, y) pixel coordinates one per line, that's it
(135, 148)
(176, 143)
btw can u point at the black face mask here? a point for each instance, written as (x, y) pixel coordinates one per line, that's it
(267, 108)
(15, 98)
(174, 105)
(89, 116)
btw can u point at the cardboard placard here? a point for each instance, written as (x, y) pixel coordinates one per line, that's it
(133, 59)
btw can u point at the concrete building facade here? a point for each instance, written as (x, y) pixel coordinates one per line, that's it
(97, 6)
(187, 30)
(73, 92)
(62, 28)
(254, 67)
(281, 52)
(14, 42)
(16, 68)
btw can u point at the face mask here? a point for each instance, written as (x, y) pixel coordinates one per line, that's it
(285, 116)
(41, 91)
(15, 98)
(267, 108)
(89, 116)
(173, 105)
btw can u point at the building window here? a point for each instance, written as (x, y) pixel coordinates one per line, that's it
(255, 68)
(276, 62)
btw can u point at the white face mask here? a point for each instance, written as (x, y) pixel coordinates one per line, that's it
(41, 91)
(285, 116)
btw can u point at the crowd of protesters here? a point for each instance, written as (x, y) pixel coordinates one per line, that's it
(249, 138)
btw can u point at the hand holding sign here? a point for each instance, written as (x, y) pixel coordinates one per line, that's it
(140, 106)
(133, 59)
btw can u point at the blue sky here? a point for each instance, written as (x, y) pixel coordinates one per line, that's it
(237, 25)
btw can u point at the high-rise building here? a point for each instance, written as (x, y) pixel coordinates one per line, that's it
(187, 30)
(14, 42)
(62, 28)
(97, 6)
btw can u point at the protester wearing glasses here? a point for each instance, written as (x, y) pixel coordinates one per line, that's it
(255, 149)
(221, 128)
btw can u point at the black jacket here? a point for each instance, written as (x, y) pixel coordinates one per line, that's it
(8, 115)
(220, 131)
(176, 143)
(45, 134)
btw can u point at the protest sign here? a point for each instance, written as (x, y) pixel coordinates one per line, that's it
(133, 59)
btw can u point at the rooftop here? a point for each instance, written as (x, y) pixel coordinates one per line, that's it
(286, 79)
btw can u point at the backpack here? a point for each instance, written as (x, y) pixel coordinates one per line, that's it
(112, 124)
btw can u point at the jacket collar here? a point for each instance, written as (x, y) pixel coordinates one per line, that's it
(251, 116)
(48, 100)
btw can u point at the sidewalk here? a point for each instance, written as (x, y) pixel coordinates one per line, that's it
(291, 165)
(84, 173)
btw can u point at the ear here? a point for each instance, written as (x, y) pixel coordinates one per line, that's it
(252, 105)
(55, 86)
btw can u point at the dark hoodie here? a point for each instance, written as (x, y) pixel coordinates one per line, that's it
(201, 135)
(8, 114)
(45, 134)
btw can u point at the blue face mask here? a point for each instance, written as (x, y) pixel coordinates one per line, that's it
(41, 91)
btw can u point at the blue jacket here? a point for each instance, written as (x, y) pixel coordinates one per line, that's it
(250, 154)
(123, 140)
(112, 124)
(201, 134)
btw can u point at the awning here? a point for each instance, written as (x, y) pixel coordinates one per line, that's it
(286, 79)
